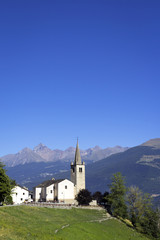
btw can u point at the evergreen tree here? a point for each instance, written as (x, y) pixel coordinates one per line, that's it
(5, 187)
(117, 196)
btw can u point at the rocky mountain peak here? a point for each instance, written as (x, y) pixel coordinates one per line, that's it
(41, 147)
(24, 150)
(70, 149)
(97, 148)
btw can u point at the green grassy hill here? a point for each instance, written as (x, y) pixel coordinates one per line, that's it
(31, 223)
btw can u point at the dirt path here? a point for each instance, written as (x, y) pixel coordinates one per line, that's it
(106, 217)
(64, 226)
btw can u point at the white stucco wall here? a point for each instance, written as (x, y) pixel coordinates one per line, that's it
(50, 193)
(65, 190)
(19, 195)
(43, 193)
(37, 194)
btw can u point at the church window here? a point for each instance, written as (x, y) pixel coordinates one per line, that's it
(66, 187)
(21, 199)
(51, 191)
(80, 169)
(23, 193)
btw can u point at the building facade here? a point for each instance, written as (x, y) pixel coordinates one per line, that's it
(61, 190)
(20, 194)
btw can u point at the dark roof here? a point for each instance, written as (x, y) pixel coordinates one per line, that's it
(49, 182)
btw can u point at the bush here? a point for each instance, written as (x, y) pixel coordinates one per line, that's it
(98, 197)
(84, 197)
(8, 200)
(150, 223)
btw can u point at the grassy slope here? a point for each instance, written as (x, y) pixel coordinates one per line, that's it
(23, 222)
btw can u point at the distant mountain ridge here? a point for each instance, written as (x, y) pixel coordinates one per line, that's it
(155, 143)
(140, 165)
(24, 156)
(42, 153)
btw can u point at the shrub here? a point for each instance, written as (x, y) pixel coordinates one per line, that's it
(84, 197)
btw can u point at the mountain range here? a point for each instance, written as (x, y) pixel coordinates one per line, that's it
(140, 165)
(42, 153)
(30, 167)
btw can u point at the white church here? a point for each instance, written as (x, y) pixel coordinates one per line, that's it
(63, 190)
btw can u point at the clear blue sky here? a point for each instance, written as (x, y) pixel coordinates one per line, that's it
(79, 68)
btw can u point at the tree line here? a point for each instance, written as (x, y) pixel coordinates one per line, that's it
(6, 185)
(127, 203)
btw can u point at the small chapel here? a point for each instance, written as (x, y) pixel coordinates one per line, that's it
(63, 190)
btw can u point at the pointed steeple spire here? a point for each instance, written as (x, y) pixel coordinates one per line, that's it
(77, 155)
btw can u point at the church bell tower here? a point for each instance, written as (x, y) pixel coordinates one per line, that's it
(78, 171)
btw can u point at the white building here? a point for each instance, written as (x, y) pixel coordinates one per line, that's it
(63, 190)
(20, 195)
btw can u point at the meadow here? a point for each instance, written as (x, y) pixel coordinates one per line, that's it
(39, 223)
